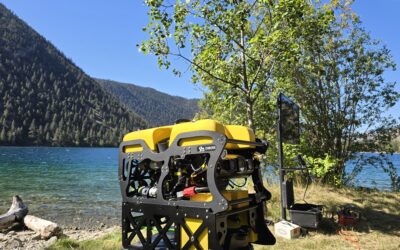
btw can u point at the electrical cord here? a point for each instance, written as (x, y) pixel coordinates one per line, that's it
(232, 183)
(200, 169)
(305, 190)
(303, 164)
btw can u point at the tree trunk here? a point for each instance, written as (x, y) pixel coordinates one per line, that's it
(16, 213)
(250, 114)
(249, 103)
(45, 228)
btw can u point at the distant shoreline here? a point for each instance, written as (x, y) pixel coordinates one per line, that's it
(45, 146)
(376, 152)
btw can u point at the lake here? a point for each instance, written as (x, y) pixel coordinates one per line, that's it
(72, 186)
(79, 186)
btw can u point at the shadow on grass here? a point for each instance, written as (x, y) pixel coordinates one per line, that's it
(377, 220)
(328, 226)
(371, 220)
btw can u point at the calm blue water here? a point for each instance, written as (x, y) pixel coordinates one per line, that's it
(373, 176)
(73, 186)
(79, 186)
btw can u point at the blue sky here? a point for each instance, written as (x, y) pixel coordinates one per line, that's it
(100, 37)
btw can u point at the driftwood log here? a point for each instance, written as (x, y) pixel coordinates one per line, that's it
(16, 213)
(45, 228)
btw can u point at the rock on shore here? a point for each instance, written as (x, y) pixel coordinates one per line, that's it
(29, 240)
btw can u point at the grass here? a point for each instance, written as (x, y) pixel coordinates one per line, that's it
(379, 227)
(109, 241)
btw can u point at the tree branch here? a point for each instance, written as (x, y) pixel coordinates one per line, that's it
(259, 69)
(206, 71)
(220, 28)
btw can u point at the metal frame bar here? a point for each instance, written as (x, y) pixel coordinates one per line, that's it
(281, 156)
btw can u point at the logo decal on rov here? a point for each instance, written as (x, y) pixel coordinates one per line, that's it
(206, 148)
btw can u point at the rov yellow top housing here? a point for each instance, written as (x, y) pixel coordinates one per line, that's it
(156, 135)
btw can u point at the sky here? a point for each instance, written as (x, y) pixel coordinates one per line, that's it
(101, 36)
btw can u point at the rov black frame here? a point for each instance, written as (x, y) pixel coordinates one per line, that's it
(163, 215)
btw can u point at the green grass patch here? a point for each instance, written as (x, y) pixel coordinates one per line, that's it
(109, 241)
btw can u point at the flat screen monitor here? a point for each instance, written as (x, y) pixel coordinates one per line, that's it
(289, 119)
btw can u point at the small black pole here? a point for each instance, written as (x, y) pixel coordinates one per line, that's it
(281, 166)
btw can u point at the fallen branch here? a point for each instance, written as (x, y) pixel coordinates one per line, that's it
(45, 228)
(16, 213)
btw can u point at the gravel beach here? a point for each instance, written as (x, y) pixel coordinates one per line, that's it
(18, 239)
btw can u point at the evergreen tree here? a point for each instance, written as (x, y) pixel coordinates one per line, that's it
(47, 99)
(3, 135)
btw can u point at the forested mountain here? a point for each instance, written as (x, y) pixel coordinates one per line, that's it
(47, 100)
(156, 107)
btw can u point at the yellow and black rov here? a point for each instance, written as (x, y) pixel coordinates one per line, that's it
(175, 184)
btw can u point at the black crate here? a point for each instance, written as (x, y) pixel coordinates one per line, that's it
(306, 215)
